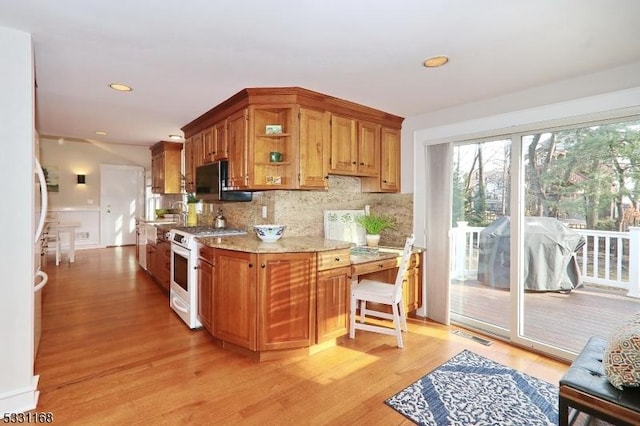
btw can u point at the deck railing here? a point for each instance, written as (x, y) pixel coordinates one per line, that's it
(608, 258)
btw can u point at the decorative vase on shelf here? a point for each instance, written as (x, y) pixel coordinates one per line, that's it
(373, 240)
(192, 215)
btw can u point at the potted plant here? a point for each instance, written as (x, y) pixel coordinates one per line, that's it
(373, 225)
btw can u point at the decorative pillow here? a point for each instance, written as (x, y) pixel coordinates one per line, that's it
(621, 359)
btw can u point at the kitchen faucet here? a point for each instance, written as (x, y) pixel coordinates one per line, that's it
(182, 216)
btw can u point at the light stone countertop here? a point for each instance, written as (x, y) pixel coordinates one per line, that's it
(252, 244)
(157, 221)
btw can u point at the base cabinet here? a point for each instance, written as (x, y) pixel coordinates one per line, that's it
(234, 298)
(333, 303)
(263, 302)
(205, 286)
(163, 264)
(285, 289)
(152, 263)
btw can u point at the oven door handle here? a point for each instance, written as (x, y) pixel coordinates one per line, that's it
(186, 253)
(177, 303)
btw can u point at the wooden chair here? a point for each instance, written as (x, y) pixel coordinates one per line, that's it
(383, 293)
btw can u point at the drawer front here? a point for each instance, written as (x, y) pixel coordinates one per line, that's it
(333, 259)
(206, 252)
(378, 265)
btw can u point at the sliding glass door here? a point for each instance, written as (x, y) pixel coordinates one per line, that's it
(542, 234)
(479, 278)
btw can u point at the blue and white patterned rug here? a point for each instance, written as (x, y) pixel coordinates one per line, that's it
(472, 390)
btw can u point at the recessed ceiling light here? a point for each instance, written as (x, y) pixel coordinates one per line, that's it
(120, 87)
(435, 61)
(101, 133)
(175, 137)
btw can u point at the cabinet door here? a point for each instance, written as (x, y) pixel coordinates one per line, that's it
(314, 149)
(157, 173)
(207, 146)
(198, 149)
(285, 302)
(412, 290)
(368, 149)
(234, 298)
(189, 165)
(390, 160)
(205, 292)
(344, 146)
(389, 180)
(163, 264)
(332, 303)
(237, 133)
(152, 260)
(220, 141)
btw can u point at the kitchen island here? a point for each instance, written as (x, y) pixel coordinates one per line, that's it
(281, 299)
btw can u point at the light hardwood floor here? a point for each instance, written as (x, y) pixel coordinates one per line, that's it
(112, 352)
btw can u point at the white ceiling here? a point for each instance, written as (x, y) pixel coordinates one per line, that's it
(184, 57)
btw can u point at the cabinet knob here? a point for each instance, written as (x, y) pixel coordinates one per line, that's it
(380, 265)
(384, 181)
(353, 162)
(263, 266)
(326, 177)
(362, 164)
(251, 265)
(337, 259)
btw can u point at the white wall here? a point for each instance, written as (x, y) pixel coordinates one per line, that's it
(17, 382)
(501, 116)
(73, 157)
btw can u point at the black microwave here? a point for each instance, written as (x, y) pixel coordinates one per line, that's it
(211, 184)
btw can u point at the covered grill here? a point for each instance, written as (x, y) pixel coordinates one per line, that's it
(549, 254)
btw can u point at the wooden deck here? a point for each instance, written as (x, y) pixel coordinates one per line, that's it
(565, 320)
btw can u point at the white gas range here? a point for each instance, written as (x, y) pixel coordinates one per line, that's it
(183, 296)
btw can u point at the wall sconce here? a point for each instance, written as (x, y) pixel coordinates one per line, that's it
(81, 179)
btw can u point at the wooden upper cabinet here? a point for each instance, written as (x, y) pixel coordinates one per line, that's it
(237, 135)
(344, 146)
(315, 128)
(220, 141)
(206, 146)
(166, 160)
(189, 164)
(389, 180)
(368, 149)
(273, 147)
(315, 134)
(355, 147)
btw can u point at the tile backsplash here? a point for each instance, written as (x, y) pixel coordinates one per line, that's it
(302, 211)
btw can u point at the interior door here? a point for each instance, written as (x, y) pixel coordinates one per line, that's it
(121, 201)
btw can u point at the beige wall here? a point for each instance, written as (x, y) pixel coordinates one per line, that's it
(72, 157)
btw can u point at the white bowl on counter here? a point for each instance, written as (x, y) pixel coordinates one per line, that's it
(269, 233)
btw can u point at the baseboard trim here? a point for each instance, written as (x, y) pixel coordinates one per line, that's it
(21, 400)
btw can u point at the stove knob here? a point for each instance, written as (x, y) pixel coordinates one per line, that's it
(167, 235)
